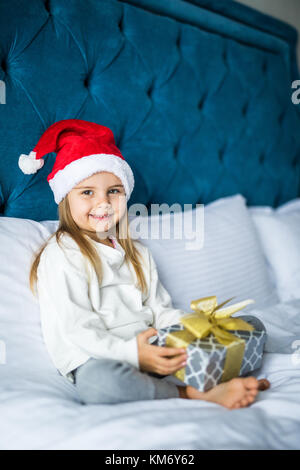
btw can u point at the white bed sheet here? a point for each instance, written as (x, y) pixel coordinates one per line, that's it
(40, 409)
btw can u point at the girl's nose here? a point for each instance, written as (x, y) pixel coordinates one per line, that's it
(103, 204)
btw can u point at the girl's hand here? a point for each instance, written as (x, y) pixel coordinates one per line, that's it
(161, 360)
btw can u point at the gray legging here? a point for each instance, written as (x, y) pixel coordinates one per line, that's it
(108, 381)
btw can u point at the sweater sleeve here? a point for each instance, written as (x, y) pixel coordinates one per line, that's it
(63, 284)
(160, 301)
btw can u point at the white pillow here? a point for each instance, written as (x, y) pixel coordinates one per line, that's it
(279, 231)
(291, 206)
(230, 264)
(19, 238)
(20, 329)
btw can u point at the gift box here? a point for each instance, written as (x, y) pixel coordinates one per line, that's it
(219, 346)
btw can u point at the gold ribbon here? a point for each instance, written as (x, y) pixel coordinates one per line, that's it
(210, 318)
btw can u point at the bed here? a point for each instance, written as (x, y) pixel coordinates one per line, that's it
(198, 95)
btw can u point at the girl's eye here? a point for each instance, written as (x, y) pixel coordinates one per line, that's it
(90, 191)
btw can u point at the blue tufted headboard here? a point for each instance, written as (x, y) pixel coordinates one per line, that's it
(197, 93)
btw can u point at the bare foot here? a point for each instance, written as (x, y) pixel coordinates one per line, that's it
(236, 393)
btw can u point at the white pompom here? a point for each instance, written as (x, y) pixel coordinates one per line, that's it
(29, 164)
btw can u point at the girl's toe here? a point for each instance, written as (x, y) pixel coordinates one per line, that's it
(244, 402)
(251, 383)
(252, 393)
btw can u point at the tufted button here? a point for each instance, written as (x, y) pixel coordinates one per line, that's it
(245, 109)
(4, 65)
(150, 89)
(296, 160)
(120, 24)
(120, 137)
(47, 6)
(86, 81)
(280, 117)
(201, 102)
(221, 153)
(175, 149)
(277, 199)
(264, 65)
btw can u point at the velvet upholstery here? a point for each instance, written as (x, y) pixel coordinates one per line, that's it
(197, 93)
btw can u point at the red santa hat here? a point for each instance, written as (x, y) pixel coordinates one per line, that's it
(83, 148)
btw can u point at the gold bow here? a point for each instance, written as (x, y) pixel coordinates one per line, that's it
(209, 318)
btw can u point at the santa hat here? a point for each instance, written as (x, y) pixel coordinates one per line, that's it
(83, 148)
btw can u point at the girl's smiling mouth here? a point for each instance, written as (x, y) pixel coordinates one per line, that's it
(103, 217)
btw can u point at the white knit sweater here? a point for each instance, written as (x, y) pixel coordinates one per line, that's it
(81, 319)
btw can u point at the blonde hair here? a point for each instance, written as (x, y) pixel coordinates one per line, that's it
(81, 237)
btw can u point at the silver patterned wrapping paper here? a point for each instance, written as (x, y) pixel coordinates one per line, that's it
(206, 357)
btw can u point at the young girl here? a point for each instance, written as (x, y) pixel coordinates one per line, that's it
(99, 293)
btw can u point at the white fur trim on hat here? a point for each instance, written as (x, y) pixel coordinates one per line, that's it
(29, 164)
(76, 171)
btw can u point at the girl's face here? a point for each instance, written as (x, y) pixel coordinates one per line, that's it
(97, 203)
